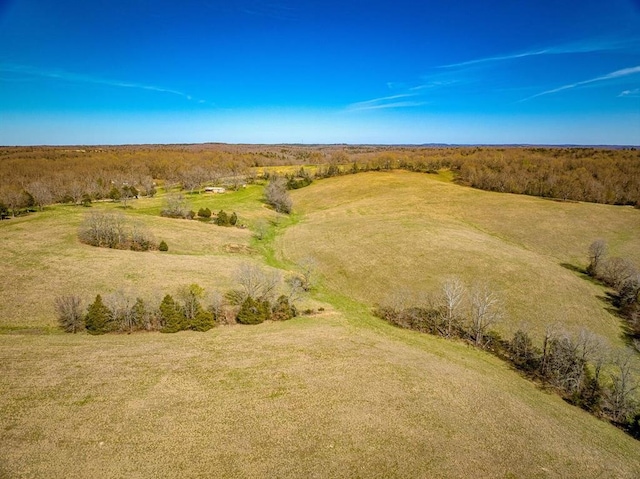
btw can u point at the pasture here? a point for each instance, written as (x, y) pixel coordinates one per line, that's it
(339, 393)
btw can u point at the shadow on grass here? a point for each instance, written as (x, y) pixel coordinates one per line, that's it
(580, 272)
(611, 302)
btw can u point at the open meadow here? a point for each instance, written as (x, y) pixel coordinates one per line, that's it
(377, 235)
(338, 393)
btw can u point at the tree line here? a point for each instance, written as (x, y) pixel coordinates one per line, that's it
(623, 277)
(113, 230)
(33, 177)
(254, 301)
(578, 367)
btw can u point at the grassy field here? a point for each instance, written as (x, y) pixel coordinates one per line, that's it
(377, 233)
(336, 394)
(43, 258)
(314, 397)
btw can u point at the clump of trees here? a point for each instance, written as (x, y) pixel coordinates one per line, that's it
(112, 230)
(204, 213)
(175, 206)
(458, 312)
(299, 179)
(623, 277)
(225, 219)
(277, 196)
(582, 370)
(579, 367)
(255, 300)
(120, 312)
(255, 296)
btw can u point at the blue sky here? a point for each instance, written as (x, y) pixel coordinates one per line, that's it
(311, 71)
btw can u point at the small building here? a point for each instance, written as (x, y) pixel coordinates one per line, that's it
(214, 189)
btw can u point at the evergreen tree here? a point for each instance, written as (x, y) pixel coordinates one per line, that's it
(98, 318)
(140, 315)
(204, 213)
(222, 219)
(254, 311)
(283, 309)
(170, 315)
(203, 320)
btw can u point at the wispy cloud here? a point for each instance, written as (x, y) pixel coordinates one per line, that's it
(635, 93)
(79, 78)
(588, 46)
(386, 102)
(609, 76)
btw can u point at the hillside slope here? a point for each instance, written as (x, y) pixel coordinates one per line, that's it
(336, 394)
(314, 397)
(376, 234)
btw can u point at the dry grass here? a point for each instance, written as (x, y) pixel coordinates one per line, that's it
(376, 233)
(41, 258)
(339, 394)
(308, 398)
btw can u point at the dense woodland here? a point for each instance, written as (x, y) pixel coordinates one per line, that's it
(32, 177)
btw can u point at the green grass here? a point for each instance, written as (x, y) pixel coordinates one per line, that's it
(335, 394)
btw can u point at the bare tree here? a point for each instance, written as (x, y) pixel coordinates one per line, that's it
(103, 229)
(549, 335)
(276, 195)
(41, 193)
(69, 312)
(15, 200)
(76, 189)
(190, 297)
(121, 306)
(192, 178)
(148, 185)
(485, 312)
(216, 305)
(564, 368)
(262, 228)
(308, 267)
(175, 206)
(256, 283)
(620, 400)
(616, 271)
(453, 293)
(597, 252)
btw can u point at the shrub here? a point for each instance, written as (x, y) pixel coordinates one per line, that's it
(176, 207)
(69, 311)
(222, 219)
(283, 310)
(233, 219)
(163, 246)
(204, 213)
(140, 317)
(277, 196)
(253, 311)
